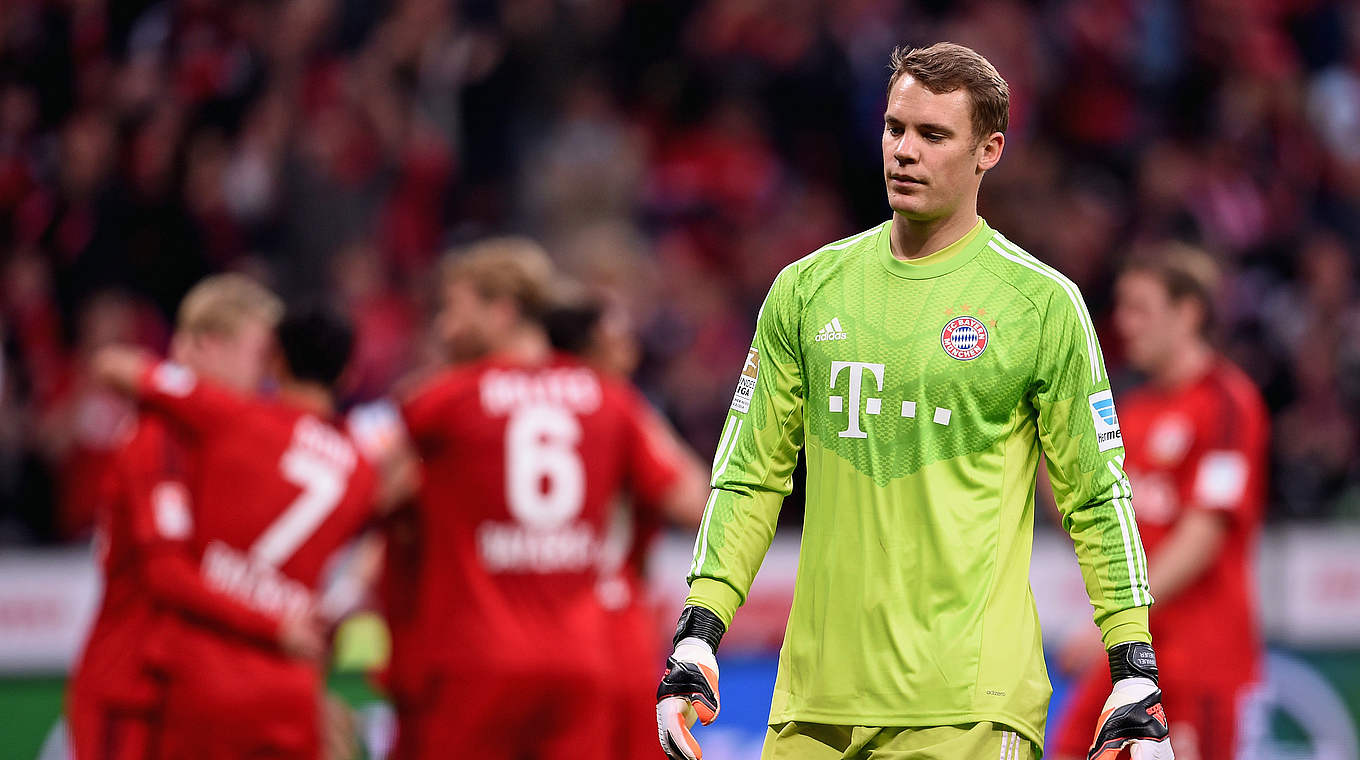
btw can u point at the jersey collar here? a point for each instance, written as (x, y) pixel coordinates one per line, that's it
(942, 262)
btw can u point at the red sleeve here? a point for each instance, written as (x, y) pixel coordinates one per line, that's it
(151, 474)
(426, 412)
(176, 392)
(654, 461)
(1226, 465)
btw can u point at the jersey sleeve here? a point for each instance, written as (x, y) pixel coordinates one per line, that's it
(160, 515)
(1225, 466)
(376, 428)
(753, 466)
(654, 460)
(1084, 449)
(426, 411)
(198, 407)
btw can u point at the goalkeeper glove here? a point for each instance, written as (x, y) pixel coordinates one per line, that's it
(689, 690)
(1133, 714)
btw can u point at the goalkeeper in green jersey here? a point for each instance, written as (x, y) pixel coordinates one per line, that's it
(922, 365)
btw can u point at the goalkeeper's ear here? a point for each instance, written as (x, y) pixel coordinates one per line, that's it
(989, 151)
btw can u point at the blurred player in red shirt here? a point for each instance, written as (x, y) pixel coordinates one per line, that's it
(524, 452)
(388, 560)
(224, 332)
(1196, 437)
(596, 328)
(271, 491)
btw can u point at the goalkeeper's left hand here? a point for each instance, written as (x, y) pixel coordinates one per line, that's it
(689, 690)
(1133, 715)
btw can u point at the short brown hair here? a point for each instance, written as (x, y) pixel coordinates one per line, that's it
(1186, 272)
(946, 67)
(505, 267)
(218, 305)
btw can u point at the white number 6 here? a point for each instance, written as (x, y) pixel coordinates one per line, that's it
(544, 477)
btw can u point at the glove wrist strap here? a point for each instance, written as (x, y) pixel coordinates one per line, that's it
(699, 623)
(1132, 659)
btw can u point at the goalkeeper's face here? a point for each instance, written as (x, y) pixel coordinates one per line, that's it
(933, 160)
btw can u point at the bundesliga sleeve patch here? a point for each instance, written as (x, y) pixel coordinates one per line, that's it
(1106, 421)
(746, 384)
(1222, 479)
(170, 507)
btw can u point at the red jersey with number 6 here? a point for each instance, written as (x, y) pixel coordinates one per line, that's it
(521, 466)
(1202, 447)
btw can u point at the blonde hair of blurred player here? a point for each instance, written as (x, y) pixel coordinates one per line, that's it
(493, 296)
(225, 330)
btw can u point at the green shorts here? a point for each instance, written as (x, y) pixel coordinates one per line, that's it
(973, 741)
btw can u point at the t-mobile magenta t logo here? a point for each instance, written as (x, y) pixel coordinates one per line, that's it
(872, 405)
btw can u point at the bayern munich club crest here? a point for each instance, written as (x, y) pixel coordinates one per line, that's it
(964, 338)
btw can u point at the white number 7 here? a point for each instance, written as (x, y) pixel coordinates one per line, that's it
(322, 483)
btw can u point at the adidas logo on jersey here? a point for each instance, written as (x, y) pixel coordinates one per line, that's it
(832, 331)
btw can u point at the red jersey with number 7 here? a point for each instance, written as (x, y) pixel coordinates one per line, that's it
(274, 493)
(521, 466)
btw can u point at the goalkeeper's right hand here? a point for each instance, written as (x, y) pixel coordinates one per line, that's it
(689, 690)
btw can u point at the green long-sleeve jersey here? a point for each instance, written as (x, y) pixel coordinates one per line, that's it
(923, 393)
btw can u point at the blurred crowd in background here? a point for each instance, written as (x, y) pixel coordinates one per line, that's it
(672, 155)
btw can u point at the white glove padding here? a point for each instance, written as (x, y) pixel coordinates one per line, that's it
(1133, 717)
(688, 692)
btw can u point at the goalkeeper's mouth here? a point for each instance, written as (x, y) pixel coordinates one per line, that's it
(904, 180)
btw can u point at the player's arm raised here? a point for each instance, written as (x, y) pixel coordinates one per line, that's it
(167, 387)
(1082, 443)
(121, 367)
(752, 473)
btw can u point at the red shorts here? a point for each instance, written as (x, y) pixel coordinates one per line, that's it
(548, 712)
(638, 658)
(113, 698)
(100, 732)
(411, 706)
(1204, 718)
(242, 702)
